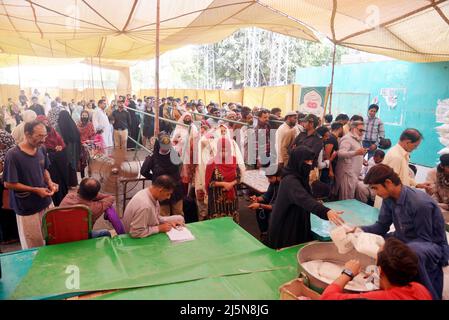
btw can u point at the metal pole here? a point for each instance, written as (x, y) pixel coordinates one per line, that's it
(331, 89)
(158, 25)
(93, 83)
(161, 118)
(219, 118)
(18, 71)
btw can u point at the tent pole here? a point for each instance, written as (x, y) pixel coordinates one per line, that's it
(93, 83)
(158, 25)
(101, 79)
(18, 71)
(331, 87)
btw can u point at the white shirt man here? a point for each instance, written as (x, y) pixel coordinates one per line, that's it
(101, 122)
(398, 158)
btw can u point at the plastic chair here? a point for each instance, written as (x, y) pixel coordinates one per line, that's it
(67, 224)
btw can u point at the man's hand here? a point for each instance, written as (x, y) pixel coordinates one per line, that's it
(426, 185)
(333, 156)
(354, 266)
(43, 192)
(334, 217)
(254, 206)
(165, 227)
(253, 198)
(361, 152)
(53, 187)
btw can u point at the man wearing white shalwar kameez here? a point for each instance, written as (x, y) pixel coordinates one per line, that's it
(101, 122)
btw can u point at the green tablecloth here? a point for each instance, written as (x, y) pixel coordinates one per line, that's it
(223, 256)
(15, 266)
(221, 248)
(261, 285)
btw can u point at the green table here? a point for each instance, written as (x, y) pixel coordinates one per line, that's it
(355, 212)
(224, 262)
(223, 253)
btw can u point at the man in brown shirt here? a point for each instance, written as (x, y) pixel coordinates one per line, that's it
(88, 195)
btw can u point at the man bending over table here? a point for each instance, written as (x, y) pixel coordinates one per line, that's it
(142, 214)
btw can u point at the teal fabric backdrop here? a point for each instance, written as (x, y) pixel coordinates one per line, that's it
(416, 88)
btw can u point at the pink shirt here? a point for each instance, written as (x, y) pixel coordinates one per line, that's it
(97, 206)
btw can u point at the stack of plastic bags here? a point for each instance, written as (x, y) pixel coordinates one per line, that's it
(443, 130)
(363, 242)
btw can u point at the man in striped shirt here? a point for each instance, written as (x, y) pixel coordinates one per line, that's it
(374, 130)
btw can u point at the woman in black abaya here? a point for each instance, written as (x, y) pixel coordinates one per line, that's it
(71, 135)
(290, 218)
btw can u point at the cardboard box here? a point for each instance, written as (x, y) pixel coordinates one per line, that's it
(296, 289)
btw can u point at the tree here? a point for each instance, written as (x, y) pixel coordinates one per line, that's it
(227, 60)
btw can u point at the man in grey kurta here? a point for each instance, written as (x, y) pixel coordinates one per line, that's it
(350, 161)
(142, 214)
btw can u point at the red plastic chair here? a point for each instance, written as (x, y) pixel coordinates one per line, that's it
(67, 224)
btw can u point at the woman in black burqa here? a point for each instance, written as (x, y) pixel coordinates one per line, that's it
(71, 135)
(290, 218)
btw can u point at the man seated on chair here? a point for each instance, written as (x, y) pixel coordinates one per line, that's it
(89, 195)
(142, 216)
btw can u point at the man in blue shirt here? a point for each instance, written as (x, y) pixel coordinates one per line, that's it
(417, 220)
(26, 176)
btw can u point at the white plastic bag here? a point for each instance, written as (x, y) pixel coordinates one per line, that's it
(443, 151)
(443, 129)
(341, 239)
(444, 140)
(368, 243)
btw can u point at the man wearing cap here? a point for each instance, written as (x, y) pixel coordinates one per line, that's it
(165, 161)
(285, 136)
(310, 138)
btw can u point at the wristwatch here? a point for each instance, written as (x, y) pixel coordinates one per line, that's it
(348, 273)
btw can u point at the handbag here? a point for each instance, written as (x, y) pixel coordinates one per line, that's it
(384, 143)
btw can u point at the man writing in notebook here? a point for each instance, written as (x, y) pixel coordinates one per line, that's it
(142, 214)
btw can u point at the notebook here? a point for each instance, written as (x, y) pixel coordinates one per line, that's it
(180, 234)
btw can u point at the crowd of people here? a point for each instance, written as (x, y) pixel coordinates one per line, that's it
(201, 153)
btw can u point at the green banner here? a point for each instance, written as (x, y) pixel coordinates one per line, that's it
(312, 100)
